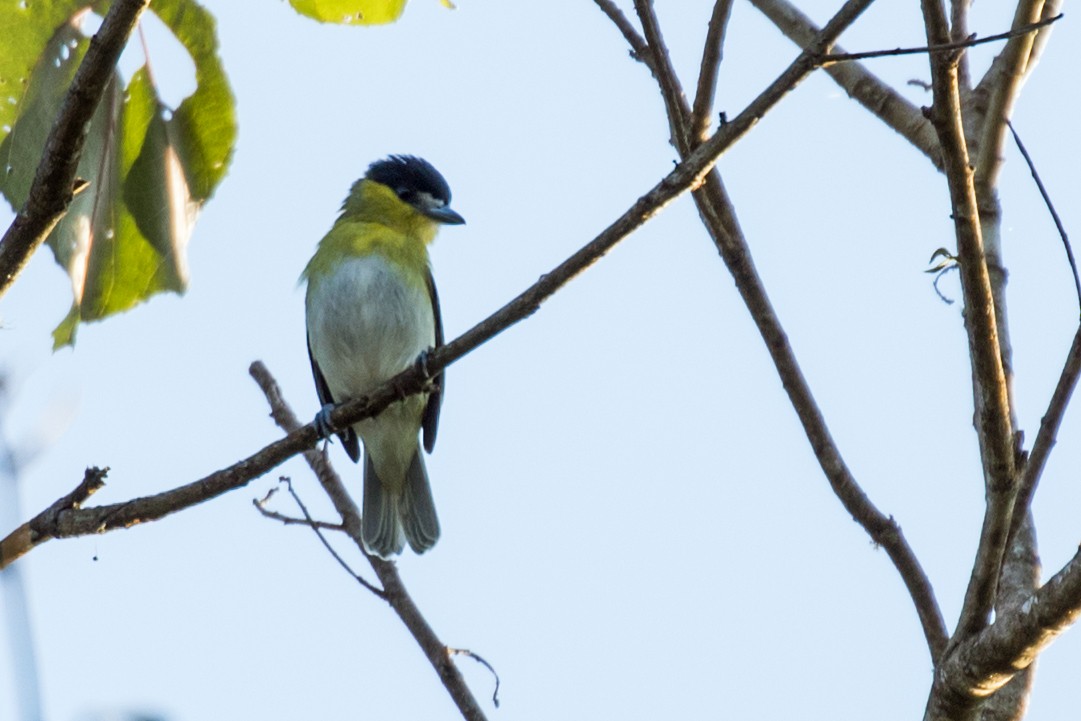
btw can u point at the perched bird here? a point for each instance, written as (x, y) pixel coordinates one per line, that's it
(372, 311)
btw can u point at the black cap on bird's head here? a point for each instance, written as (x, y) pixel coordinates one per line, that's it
(417, 183)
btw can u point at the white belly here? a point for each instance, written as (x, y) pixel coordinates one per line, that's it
(366, 325)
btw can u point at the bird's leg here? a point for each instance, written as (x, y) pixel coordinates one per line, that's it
(421, 364)
(323, 426)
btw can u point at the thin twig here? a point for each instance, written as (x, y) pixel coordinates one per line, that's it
(326, 544)
(54, 183)
(712, 54)
(958, 33)
(675, 100)
(261, 506)
(947, 47)
(876, 96)
(1050, 208)
(479, 659)
(639, 49)
(1045, 437)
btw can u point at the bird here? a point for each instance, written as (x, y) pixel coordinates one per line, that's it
(372, 311)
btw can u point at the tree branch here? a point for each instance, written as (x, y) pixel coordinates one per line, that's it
(958, 33)
(41, 527)
(1045, 437)
(862, 85)
(689, 173)
(1004, 94)
(993, 423)
(393, 591)
(969, 42)
(983, 663)
(54, 183)
(712, 54)
(720, 220)
(639, 50)
(1020, 578)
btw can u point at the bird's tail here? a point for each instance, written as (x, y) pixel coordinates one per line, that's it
(390, 519)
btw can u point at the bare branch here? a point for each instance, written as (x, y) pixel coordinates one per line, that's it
(994, 426)
(55, 183)
(43, 526)
(675, 100)
(261, 506)
(1020, 579)
(949, 47)
(1006, 88)
(719, 218)
(394, 591)
(959, 33)
(983, 663)
(687, 174)
(1045, 437)
(326, 544)
(639, 49)
(712, 54)
(862, 85)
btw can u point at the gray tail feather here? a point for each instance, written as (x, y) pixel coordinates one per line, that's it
(380, 529)
(417, 509)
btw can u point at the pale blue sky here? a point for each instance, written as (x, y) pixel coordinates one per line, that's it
(634, 524)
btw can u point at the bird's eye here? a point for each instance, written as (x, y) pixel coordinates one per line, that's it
(404, 193)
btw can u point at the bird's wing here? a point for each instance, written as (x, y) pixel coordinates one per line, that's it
(349, 437)
(435, 398)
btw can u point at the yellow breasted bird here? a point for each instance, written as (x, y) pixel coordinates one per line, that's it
(372, 311)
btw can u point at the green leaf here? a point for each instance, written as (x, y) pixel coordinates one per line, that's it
(26, 27)
(350, 12)
(150, 168)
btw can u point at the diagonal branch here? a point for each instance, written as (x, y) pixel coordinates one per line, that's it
(393, 590)
(687, 174)
(54, 184)
(1045, 437)
(719, 218)
(862, 85)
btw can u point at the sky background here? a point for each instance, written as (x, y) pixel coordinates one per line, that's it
(634, 525)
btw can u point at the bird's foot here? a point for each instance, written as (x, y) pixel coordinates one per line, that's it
(422, 362)
(323, 426)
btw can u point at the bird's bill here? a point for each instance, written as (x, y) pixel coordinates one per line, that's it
(443, 215)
